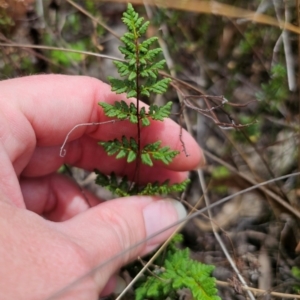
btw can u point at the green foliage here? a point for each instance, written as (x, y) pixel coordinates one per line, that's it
(122, 187)
(251, 38)
(117, 187)
(153, 150)
(75, 39)
(220, 172)
(179, 271)
(253, 131)
(165, 188)
(121, 110)
(5, 19)
(140, 72)
(296, 274)
(125, 148)
(254, 36)
(6, 22)
(276, 90)
(62, 169)
(160, 112)
(66, 58)
(129, 148)
(90, 6)
(139, 60)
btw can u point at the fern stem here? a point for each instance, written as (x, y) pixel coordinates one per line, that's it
(137, 167)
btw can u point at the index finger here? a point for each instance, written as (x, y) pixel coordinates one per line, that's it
(54, 104)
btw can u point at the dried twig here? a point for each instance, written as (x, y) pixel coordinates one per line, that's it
(59, 49)
(152, 273)
(260, 292)
(209, 111)
(62, 151)
(218, 237)
(285, 37)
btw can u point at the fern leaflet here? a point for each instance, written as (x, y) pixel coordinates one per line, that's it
(123, 187)
(140, 72)
(126, 148)
(160, 112)
(153, 150)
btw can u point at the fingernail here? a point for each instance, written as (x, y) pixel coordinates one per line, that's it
(120, 285)
(161, 214)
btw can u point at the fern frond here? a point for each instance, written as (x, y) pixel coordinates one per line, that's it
(142, 30)
(148, 42)
(128, 55)
(144, 117)
(120, 110)
(180, 272)
(150, 55)
(154, 151)
(111, 183)
(165, 188)
(123, 68)
(158, 87)
(121, 86)
(126, 148)
(160, 112)
(123, 187)
(139, 59)
(129, 44)
(152, 70)
(134, 22)
(139, 63)
(145, 45)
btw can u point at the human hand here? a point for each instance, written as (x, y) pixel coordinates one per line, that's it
(40, 256)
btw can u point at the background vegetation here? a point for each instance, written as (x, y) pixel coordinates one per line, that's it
(236, 49)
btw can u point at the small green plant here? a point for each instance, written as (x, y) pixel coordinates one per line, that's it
(275, 92)
(177, 272)
(6, 21)
(296, 273)
(66, 58)
(140, 72)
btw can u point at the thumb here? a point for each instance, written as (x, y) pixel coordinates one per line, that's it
(107, 230)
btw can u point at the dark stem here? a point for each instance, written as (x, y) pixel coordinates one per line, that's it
(180, 132)
(137, 167)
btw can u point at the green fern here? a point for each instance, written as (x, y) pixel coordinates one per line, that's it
(112, 183)
(163, 188)
(154, 151)
(275, 92)
(123, 187)
(160, 112)
(125, 148)
(140, 78)
(121, 110)
(139, 60)
(128, 148)
(179, 271)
